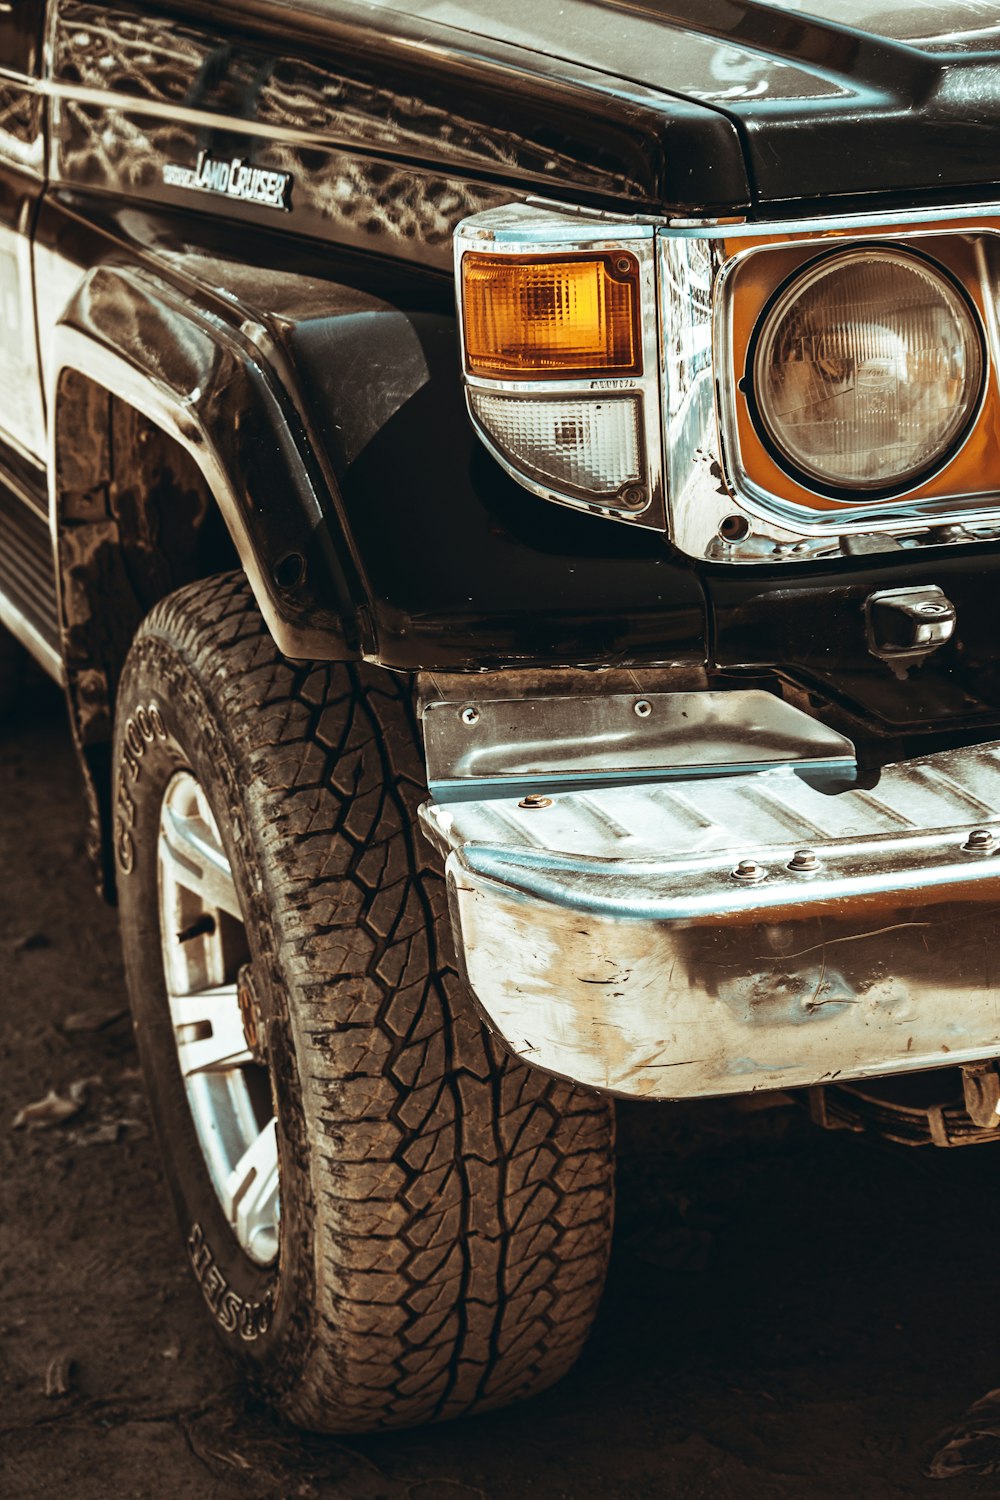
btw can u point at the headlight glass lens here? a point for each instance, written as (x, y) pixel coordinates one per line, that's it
(867, 370)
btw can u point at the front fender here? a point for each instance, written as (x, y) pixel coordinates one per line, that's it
(322, 401)
(210, 385)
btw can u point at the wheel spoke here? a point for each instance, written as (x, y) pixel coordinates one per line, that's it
(191, 857)
(209, 1030)
(250, 1193)
(203, 947)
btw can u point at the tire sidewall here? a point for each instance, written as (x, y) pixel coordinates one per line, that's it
(166, 723)
(445, 1210)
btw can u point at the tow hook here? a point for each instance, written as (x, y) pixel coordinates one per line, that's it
(905, 626)
(981, 1088)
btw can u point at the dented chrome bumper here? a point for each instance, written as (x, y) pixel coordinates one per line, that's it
(661, 939)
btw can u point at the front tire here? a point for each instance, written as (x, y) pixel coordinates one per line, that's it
(445, 1211)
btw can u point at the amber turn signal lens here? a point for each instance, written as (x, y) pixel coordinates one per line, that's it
(526, 318)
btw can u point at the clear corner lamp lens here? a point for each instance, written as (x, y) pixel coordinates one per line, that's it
(587, 446)
(867, 370)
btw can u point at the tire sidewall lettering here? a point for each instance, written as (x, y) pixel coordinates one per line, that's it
(143, 728)
(233, 1313)
(167, 721)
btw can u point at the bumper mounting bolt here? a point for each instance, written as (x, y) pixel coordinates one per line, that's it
(469, 715)
(533, 799)
(804, 859)
(980, 841)
(749, 871)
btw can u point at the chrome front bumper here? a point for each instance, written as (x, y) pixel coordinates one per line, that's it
(609, 936)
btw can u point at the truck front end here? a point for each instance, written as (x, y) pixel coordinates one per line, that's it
(777, 869)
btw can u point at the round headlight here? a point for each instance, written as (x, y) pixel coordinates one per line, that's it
(867, 370)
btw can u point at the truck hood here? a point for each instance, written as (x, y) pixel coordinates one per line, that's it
(829, 98)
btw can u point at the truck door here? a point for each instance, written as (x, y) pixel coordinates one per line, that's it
(27, 570)
(22, 167)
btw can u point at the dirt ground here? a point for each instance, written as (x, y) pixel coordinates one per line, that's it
(789, 1314)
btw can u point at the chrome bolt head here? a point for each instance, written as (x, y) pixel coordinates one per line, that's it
(535, 800)
(749, 871)
(642, 708)
(980, 841)
(804, 860)
(469, 715)
(632, 495)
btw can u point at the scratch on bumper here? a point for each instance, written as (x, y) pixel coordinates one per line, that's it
(636, 964)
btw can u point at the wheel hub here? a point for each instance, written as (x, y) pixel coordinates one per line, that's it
(216, 1018)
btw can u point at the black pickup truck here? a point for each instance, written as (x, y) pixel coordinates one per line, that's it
(512, 495)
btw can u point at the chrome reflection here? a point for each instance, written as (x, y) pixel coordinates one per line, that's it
(203, 946)
(478, 747)
(379, 167)
(715, 510)
(648, 962)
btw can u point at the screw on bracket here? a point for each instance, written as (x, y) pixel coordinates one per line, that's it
(469, 715)
(749, 871)
(980, 841)
(643, 708)
(533, 799)
(804, 860)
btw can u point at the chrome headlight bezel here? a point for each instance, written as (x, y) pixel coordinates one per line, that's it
(778, 528)
(701, 489)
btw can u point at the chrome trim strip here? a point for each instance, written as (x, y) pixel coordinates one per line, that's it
(11, 482)
(29, 84)
(834, 222)
(32, 639)
(989, 301)
(489, 789)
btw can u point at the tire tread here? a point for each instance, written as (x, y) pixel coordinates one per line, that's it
(463, 1200)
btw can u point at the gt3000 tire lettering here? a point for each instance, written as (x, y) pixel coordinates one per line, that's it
(390, 1220)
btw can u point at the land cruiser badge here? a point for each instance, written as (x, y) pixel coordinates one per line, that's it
(234, 178)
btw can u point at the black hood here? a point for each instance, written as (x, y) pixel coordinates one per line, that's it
(829, 99)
